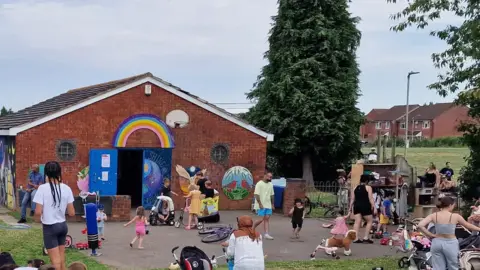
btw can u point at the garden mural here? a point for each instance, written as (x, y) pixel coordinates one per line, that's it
(237, 183)
(7, 172)
(157, 164)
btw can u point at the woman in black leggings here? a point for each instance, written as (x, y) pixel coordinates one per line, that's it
(363, 207)
(53, 199)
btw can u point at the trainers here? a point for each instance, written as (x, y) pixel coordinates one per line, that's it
(268, 236)
(32, 213)
(22, 220)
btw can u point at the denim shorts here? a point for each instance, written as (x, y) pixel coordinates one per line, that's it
(101, 230)
(55, 235)
(264, 212)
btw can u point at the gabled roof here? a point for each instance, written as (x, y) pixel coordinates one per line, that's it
(430, 112)
(395, 112)
(374, 114)
(78, 98)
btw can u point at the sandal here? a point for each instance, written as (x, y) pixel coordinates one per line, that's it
(187, 228)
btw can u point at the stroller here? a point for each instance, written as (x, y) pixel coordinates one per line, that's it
(191, 258)
(157, 209)
(470, 259)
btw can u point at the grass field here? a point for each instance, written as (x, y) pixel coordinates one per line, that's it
(420, 157)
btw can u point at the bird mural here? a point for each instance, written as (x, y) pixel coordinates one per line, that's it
(237, 183)
(188, 177)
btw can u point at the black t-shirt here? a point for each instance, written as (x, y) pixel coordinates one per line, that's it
(297, 215)
(448, 172)
(201, 185)
(166, 191)
(209, 193)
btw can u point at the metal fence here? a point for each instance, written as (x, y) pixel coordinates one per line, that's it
(327, 199)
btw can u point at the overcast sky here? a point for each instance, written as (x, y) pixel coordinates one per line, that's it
(211, 48)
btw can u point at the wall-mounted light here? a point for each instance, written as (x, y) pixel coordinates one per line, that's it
(148, 90)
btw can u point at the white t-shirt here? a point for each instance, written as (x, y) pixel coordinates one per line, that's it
(248, 254)
(53, 214)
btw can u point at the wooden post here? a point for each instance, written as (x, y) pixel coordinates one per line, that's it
(394, 144)
(379, 145)
(384, 149)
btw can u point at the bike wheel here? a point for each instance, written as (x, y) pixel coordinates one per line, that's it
(404, 262)
(330, 212)
(216, 237)
(177, 224)
(206, 231)
(308, 205)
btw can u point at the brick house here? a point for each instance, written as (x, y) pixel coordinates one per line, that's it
(131, 133)
(427, 121)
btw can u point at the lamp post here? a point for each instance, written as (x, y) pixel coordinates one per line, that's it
(407, 109)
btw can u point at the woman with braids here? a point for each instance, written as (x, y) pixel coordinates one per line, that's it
(53, 199)
(245, 246)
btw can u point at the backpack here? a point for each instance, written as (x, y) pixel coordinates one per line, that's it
(193, 258)
(6, 258)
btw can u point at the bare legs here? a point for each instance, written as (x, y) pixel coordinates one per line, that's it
(266, 226)
(61, 250)
(356, 225)
(195, 219)
(55, 258)
(368, 227)
(140, 241)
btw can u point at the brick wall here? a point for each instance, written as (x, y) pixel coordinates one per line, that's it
(94, 126)
(446, 124)
(295, 188)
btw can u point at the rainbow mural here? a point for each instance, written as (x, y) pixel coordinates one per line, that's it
(143, 121)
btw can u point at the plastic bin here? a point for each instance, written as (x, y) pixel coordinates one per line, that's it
(278, 197)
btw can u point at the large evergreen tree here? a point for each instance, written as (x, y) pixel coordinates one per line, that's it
(307, 93)
(460, 65)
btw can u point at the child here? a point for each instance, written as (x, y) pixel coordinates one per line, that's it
(101, 218)
(194, 208)
(36, 263)
(77, 266)
(166, 190)
(165, 211)
(340, 227)
(140, 230)
(386, 211)
(210, 192)
(298, 215)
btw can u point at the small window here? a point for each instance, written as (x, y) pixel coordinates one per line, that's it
(220, 153)
(378, 125)
(402, 125)
(387, 125)
(426, 124)
(66, 150)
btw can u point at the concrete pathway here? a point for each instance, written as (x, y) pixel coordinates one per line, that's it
(5, 217)
(160, 241)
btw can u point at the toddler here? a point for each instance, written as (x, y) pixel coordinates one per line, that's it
(166, 190)
(195, 205)
(298, 215)
(340, 227)
(386, 211)
(101, 218)
(140, 230)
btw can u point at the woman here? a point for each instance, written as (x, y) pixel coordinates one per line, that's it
(245, 246)
(363, 208)
(210, 192)
(444, 247)
(53, 199)
(432, 176)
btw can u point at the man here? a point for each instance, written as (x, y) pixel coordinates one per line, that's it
(264, 203)
(35, 179)
(447, 171)
(372, 156)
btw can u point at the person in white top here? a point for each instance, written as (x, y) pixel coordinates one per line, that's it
(245, 246)
(53, 199)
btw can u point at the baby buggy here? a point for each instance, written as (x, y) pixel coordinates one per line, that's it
(191, 258)
(469, 259)
(162, 206)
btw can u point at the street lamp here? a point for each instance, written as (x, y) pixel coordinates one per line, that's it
(407, 109)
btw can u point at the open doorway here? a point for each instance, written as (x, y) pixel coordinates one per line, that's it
(130, 175)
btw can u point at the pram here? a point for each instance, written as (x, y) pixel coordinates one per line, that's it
(157, 210)
(191, 258)
(470, 259)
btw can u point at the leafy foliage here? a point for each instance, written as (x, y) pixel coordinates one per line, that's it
(4, 111)
(307, 93)
(460, 67)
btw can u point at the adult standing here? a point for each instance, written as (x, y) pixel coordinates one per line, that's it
(200, 181)
(53, 199)
(35, 179)
(264, 203)
(363, 207)
(447, 171)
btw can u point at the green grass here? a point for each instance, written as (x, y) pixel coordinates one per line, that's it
(420, 157)
(17, 215)
(25, 245)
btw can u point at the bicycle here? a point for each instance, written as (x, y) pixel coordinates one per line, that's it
(217, 234)
(330, 209)
(228, 260)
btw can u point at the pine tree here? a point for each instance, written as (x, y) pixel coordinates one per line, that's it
(307, 93)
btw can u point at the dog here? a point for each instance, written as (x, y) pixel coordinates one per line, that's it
(334, 243)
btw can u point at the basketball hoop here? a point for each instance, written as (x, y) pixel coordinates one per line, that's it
(179, 124)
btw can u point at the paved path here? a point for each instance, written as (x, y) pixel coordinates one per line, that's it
(162, 239)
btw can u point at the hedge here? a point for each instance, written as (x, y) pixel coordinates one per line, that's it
(438, 142)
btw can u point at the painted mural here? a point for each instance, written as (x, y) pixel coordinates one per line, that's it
(143, 121)
(83, 180)
(237, 183)
(7, 172)
(187, 176)
(157, 165)
(209, 206)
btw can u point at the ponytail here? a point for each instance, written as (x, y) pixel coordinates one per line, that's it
(53, 171)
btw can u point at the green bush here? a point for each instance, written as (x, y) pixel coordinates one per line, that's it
(438, 142)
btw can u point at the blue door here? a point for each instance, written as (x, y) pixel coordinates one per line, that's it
(103, 171)
(157, 165)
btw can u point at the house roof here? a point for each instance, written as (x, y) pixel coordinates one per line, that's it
(430, 112)
(78, 98)
(374, 113)
(395, 112)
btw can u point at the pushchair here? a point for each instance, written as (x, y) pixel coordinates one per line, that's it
(157, 209)
(191, 258)
(419, 258)
(469, 259)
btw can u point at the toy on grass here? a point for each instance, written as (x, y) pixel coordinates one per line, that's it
(92, 228)
(344, 243)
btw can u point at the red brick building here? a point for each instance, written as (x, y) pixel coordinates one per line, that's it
(428, 121)
(116, 128)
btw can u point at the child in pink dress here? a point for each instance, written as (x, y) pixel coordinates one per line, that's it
(140, 224)
(340, 227)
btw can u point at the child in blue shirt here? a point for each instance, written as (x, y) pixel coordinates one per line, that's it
(386, 211)
(101, 218)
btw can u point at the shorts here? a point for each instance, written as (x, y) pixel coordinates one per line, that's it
(101, 230)
(297, 224)
(54, 235)
(264, 212)
(364, 210)
(384, 219)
